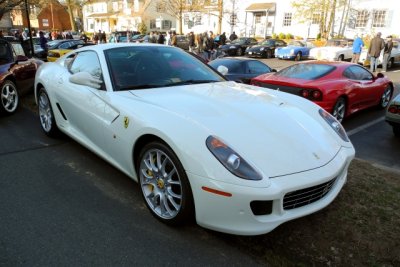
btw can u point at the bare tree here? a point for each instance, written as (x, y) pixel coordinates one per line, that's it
(324, 10)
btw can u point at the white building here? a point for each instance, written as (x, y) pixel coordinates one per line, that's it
(122, 15)
(263, 18)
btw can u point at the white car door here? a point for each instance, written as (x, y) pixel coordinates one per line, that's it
(82, 105)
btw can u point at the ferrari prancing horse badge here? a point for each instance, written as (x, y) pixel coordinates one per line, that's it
(126, 122)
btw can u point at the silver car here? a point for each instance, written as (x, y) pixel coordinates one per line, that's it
(393, 115)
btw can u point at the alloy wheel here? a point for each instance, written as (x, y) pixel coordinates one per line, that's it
(339, 110)
(9, 97)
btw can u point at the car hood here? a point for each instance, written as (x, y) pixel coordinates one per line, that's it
(257, 47)
(288, 48)
(279, 133)
(229, 45)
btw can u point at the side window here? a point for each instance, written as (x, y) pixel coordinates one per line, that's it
(257, 67)
(86, 61)
(359, 73)
(65, 45)
(5, 56)
(349, 74)
(18, 50)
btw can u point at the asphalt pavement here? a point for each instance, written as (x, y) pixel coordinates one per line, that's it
(60, 205)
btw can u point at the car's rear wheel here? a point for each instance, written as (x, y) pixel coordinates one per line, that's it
(298, 56)
(341, 58)
(339, 110)
(268, 54)
(9, 97)
(239, 52)
(46, 115)
(164, 184)
(386, 96)
(390, 63)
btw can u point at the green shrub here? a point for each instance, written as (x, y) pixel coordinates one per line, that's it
(142, 28)
(282, 36)
(289, 36)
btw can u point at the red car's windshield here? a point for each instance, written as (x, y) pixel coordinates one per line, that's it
(306, 71)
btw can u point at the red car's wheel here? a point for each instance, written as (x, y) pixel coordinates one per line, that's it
(386, 96)
(339, 110)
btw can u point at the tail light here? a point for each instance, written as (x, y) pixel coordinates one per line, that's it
(394, 109)
(311, 94)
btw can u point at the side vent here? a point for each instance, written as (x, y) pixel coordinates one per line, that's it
(61, 111)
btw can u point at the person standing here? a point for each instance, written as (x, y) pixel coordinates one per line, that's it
(222, 39)
(42, 41)
(233, 36)
(358, 44)
(191, 42)
(386, 52)
(375, 47)
(174, 41)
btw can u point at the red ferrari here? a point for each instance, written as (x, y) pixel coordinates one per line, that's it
(340, 88)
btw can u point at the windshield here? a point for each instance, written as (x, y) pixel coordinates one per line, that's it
(239, 41)
(296, 43)
(139, 67)
(268, 43)
(339, 43)
(306, 71)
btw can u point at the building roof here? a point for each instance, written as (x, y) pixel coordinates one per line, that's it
(261, 7)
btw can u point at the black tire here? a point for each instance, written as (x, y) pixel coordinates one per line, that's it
(341, 58)
(268, 54)
(46, 114)
(396, 130)
(298, 56)
(390, 64)
(339, 110)
(386, 96)
(158, 186)
(9, 98)
(239, 52)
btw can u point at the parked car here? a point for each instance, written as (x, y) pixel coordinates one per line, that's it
(335, 49)
(393, 59)
(341, 88)
(393, 115)
(240, 69)
(237, 47)
(38, 51)
(296, 50)
(121, 36)
(265, 48)
(58, 48)
(177, 127)
(17, 74)
(138, 38)
(182, 42)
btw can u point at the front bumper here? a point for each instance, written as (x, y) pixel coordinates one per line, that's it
(285, 56)
(254, 53)
(234, 214)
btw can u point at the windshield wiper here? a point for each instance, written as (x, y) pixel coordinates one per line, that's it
(191, 82)
(141, 86)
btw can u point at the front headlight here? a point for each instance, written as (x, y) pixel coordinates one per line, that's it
(232, 47)
(335, 125)
(292, 52)
(262, 48)
(231, 160)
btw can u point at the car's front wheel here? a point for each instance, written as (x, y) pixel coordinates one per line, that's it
(339, 110)
(46, 115)
(239, 52)
(341, 58)
(298, 56)
(268, 54)
(164, 184)
(9, 97)
(386, 96)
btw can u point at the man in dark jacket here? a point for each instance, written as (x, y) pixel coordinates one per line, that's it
(233, 36)
(192, 44)
(374, 51)
(222, 39)
(386, 52)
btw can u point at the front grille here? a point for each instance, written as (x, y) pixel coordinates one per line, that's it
(302, 197)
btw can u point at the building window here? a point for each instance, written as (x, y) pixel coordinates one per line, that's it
(153, 24)
(362, 18)
(287, 19)
(379, 17)
(166, 24)
(257, 18)
(197, 19)
(316, 17)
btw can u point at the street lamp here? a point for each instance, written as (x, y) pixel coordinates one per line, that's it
(29, 27)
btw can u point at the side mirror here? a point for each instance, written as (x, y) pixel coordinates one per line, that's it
(380, 75)
(85, 78)
(222, 69)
